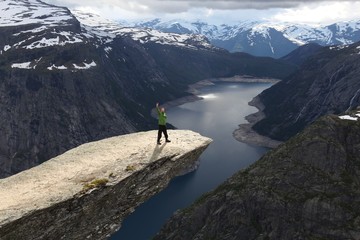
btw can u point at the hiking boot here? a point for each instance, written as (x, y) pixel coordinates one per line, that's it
(167, 140)
(159, 143)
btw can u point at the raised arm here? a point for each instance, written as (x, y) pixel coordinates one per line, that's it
(157, 107)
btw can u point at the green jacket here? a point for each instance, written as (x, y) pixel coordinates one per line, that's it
(162, 117)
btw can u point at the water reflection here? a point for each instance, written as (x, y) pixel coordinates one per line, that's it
(208, 96)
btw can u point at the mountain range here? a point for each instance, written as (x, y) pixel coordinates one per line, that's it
(70, 77)
(262, 38)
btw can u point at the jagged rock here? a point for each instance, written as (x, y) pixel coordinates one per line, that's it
(86, 192)
(308, 188)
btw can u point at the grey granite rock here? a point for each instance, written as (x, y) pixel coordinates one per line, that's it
(86, 192)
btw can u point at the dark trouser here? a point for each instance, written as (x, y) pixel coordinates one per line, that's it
(162, 129)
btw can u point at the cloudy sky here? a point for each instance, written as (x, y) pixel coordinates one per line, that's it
(221, 11)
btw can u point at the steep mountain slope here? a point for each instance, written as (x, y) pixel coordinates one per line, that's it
(302, 53)
(308, 188)
(263, 38)
(69, 78)
(327, 83)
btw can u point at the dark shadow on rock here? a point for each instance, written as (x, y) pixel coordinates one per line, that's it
(157, 151)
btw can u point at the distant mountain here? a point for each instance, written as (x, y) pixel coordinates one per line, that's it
(328, 82)
(71, 77)
(262, 38)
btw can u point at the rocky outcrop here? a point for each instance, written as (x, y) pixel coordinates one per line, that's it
(307, 188)
(86, 192)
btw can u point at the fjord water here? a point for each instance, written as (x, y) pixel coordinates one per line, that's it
(224, 107)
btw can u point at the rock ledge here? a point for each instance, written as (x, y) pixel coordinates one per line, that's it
(87, 191)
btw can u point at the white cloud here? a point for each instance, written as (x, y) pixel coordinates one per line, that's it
(324, 13)
(210, 12)
(168, 6)
(221, 11)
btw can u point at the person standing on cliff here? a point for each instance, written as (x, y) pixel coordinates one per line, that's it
(162, 124)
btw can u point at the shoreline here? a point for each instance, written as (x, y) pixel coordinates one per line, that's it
(246, 134)
(193, 89)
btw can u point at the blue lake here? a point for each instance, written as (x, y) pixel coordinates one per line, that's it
(220, 112)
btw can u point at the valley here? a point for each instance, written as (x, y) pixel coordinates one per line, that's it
(71, 79)
(211, 116)
(68, 78)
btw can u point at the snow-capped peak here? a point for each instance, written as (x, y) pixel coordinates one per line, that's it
(263, 38)
(23, 12)
(45, 25)
(105, 28)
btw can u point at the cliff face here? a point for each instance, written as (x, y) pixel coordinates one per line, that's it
(86, 192)
(308, 188)
(327, 83)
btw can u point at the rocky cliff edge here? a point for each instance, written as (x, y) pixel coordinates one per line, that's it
(307, 188)
(86, 192)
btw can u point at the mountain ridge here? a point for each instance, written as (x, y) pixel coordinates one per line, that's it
(262, 38)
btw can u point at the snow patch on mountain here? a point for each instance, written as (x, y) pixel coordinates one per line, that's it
(85, 65)
(6, 47)
(260, 29)
(351, 118)
(108, 49)
(75, 66)
(36, 41)
(44, 42)
(53, 67)
(25, 65)
(338, 47)
(35, 30)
